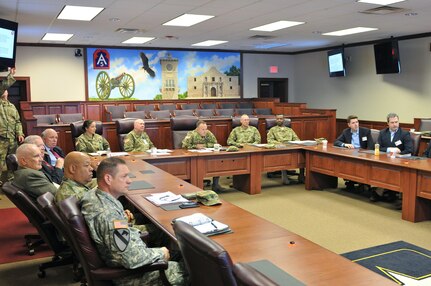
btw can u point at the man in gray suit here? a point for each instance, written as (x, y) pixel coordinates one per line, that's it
(28, 177)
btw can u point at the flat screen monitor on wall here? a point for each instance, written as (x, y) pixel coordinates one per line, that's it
(8, 36)
(336, 63)
(387, 57)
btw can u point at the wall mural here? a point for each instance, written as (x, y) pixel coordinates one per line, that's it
(126, 74)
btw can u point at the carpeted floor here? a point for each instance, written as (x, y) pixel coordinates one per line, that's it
(402, 262)
(13, 226)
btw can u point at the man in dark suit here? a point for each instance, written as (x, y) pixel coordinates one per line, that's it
(355, 136)
(393, 140)
(28, 177)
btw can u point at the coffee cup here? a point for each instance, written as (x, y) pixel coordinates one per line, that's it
(217, 147)
(324, 143)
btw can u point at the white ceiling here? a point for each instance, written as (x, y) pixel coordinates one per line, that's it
(232, 21)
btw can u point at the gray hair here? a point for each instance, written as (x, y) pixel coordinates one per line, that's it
(31, 139)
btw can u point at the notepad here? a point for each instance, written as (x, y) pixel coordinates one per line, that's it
(165, 198)
(204, 224)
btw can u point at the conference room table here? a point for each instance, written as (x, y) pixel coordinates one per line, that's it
(409, 176)
(253, 238)
(245, 165)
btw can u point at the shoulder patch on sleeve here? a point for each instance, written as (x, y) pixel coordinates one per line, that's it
(120, 224)
(121, 238)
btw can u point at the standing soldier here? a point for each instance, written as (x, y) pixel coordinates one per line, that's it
(10, 126)
(244, 134)
(137, 140)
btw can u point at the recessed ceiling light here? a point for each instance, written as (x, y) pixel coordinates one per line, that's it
(56, 37)
(276, 26)
(271, 45)
(349, 31)
(80, 13)
(188, 20)
(138, 40)
(380, 2)
(209, 43)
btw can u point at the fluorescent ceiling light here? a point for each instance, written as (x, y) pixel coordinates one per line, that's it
(349, 31)
(79, 13)
(209, 43)
(188, 20)
(271, 45)
(380, 2)
(138, 40)
(276, 26)
(56, 37)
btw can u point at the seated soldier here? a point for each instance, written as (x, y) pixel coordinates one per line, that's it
(280, 134)
(244, 134)
(117, 242)
(137, 140)
(201, 138)
(28, 177)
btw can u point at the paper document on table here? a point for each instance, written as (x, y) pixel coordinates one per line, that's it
(116, 154)
(259, 145)
(160, 152)
(303, 142)
(204, 224)
(205, 150)
(166, 198)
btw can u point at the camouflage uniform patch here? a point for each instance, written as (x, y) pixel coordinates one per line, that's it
(134, 142)
(240, 135)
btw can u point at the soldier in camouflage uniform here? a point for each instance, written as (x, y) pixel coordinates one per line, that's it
(137, 140)
(90, 141)
(10, 127)
(201, 138)
(118, 243)
(78, 175)
(244, 134)
(281, 134)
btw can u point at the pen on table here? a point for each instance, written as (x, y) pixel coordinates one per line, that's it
(163, 197)
(176, 199)
(212, 222)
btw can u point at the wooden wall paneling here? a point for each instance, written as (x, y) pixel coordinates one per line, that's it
(297, 126)
(93, 112)
(309, 130)
(40, 110)
(110, 133)
(221, 129)
(54, 109)
(71, 108)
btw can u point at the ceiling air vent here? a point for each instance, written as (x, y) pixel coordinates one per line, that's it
(129, 31)
(261, 37)
(384, 10)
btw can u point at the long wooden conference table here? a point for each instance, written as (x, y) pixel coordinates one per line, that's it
(253, 238)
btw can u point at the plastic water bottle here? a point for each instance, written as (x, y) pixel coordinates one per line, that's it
(376, 149)
(108, 152)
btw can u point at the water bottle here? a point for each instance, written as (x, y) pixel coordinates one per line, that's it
(108, 152)
(376, 149)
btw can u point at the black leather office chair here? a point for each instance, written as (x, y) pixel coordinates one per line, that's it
(248, 111)
(425, 124)
(11, 162)
(245, 105)
(183, 113)
(67, 118)
(135, 114)
(263, 111)
(271, 122)
(146, 108)
(208, 263)
(47, 231)
(416, 140)
(227, 105)
(76, 129)
(95, 270)
(160, 114)
(225, 112)
(180, 126)
(44, 119)
(114, 112)
(208, 105)
(168, 106)
(204, 112)
(236, 121)
(246, 275)
(124, 126)
(375, 135)
(192, 106)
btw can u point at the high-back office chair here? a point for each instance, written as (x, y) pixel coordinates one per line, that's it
(168, 106)
(263, 111)
(183, 113)
(95, 270)
(245, 105)
(67, 118)
(114, 112)
(425, 124)
(208, 263)
(46, 230)
(160, 114)
(76, 129)
(135, 114)
(246, 275)
(225, 112)
(180, 126)
(146, 108)
(227, 105)
(375, 135)
(192, 106)
(236, 121)
(45, 119)
(416, 140)
(124, 126)
(208, 105)
(48, 206)
(204, 112)
(241, 111)
(11, 162)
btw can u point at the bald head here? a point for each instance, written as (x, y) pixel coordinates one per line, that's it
(77, 167)
(50, 137)
(245, 120)
(139, 126)
(28, 156)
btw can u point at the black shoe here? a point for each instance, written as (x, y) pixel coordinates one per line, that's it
(389, 196)
(374, 197)
(218, 189)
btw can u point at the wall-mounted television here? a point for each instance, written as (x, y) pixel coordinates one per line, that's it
(8, 36)
(387, 57)
(336, 63)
